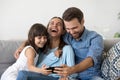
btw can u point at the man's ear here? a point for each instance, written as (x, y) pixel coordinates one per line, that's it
(82, 21)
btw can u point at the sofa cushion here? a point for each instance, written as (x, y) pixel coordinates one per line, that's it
(111, 65)
(7, 48)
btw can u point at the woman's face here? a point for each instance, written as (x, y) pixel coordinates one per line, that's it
(55, 27)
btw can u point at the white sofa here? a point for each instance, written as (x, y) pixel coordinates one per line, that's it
(8, 47)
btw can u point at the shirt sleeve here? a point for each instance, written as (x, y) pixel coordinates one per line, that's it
(96, 49)
(68, 54)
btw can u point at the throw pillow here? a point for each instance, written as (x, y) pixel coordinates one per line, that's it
(111, 65)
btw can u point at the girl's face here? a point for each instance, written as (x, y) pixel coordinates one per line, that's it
(55, 27)
(40, 41)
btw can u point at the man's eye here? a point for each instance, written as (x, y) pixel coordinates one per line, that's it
(67, 29)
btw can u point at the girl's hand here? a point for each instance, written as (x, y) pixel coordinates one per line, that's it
(45, 71)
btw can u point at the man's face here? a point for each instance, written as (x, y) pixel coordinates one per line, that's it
(74, 27)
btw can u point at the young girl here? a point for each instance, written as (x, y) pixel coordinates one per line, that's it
(37, 38)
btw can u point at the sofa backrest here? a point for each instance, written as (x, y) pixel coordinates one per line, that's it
(108, 43)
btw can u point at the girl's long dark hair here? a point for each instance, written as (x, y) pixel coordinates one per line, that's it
(36, 30)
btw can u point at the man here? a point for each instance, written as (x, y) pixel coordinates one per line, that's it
(87, 45)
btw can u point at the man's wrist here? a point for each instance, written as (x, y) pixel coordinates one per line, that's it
(72, 70)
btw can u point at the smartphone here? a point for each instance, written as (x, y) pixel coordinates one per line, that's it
(53, 68)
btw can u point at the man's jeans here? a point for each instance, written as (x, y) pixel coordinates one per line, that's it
(27, 75)
(93, 78)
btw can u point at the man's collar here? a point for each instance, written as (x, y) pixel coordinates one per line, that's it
(83, 36)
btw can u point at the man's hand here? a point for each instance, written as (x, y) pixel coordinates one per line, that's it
(64, 70)
(17, 53)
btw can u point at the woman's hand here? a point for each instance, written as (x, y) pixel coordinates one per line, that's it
(58, 53)
(19, 50)
(17, 53)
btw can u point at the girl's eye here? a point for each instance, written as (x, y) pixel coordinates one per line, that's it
(45, 37)
(39, 37)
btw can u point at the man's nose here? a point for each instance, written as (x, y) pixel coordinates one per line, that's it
(71, 31)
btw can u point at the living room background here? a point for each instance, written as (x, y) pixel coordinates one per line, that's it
(17, 16)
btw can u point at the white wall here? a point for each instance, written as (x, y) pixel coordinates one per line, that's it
(17, 16)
